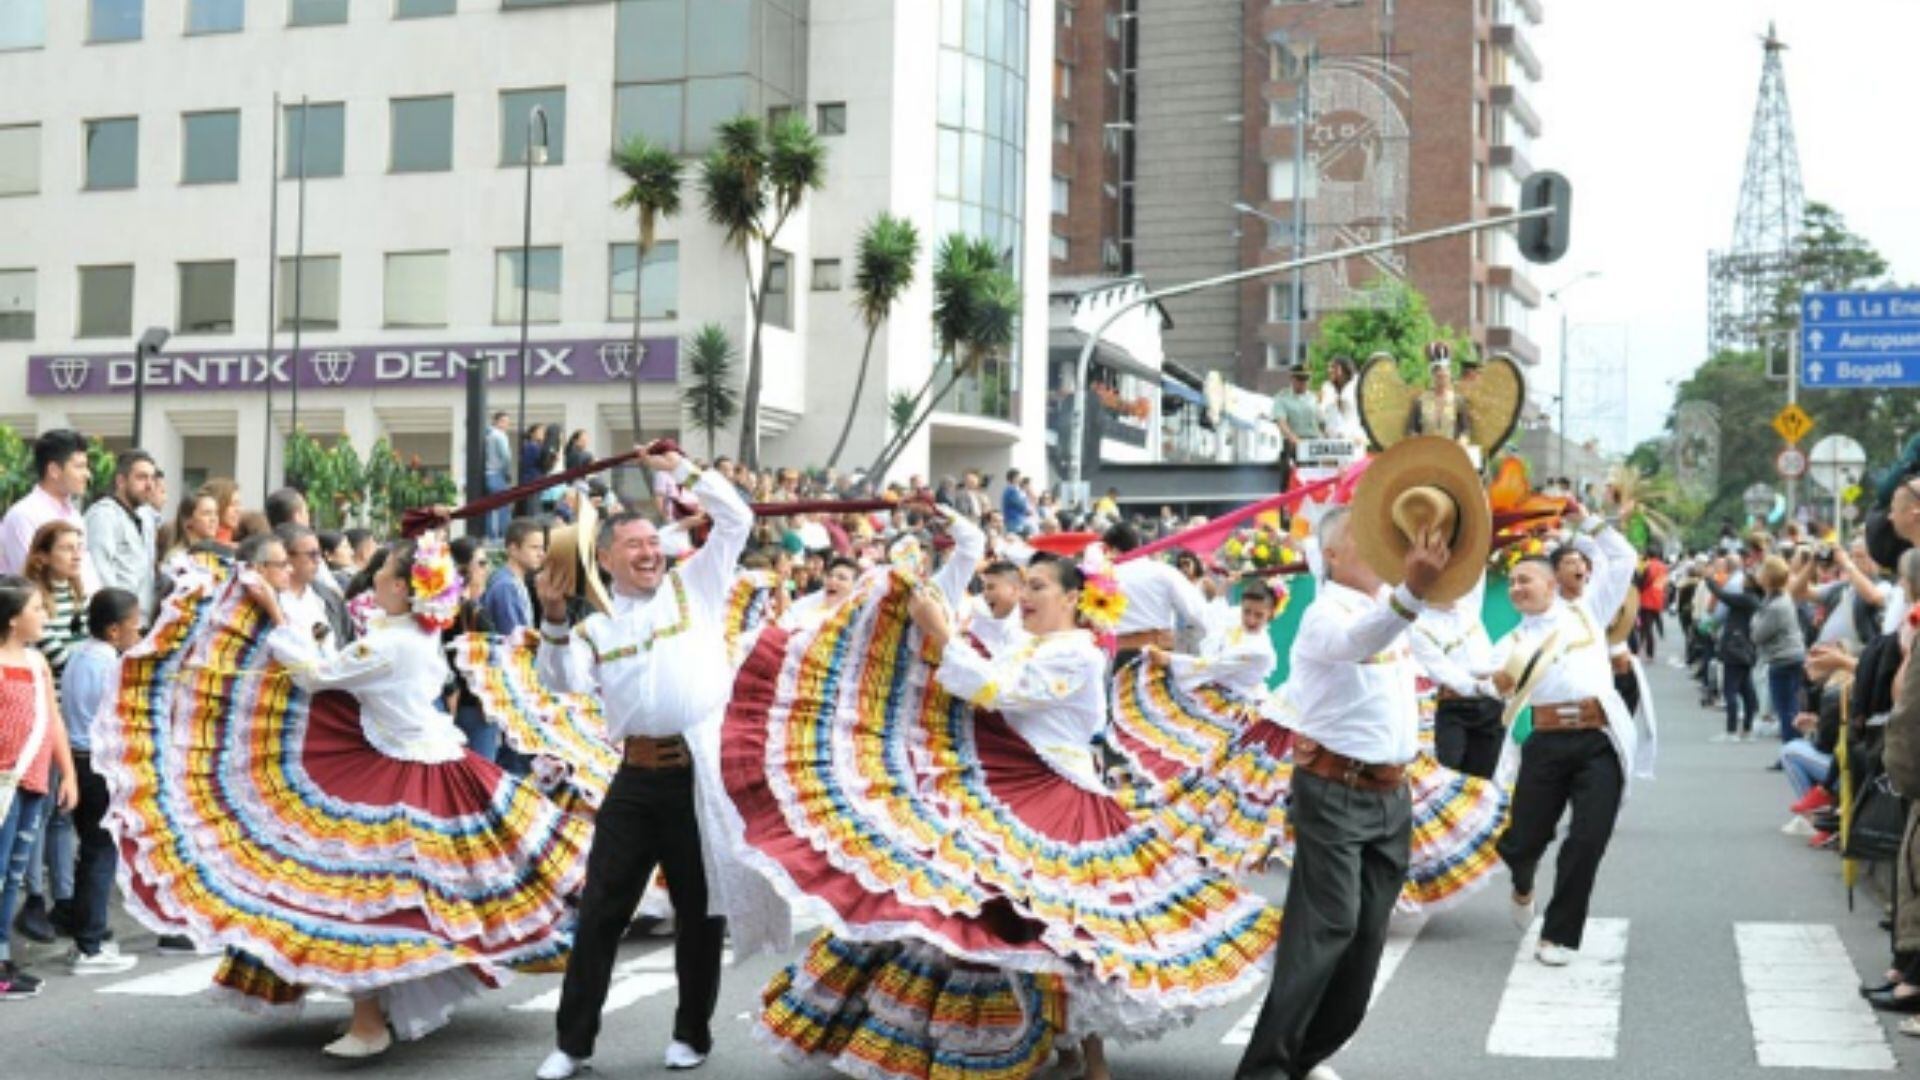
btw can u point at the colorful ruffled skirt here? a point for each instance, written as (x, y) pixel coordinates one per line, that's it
(983, 903)
(256, 818)
(1230, 809)
(568, 730)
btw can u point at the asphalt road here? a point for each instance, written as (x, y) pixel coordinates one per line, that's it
(1719, 944)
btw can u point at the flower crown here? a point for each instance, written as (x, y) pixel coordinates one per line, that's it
(435, 584)
(1101, 601)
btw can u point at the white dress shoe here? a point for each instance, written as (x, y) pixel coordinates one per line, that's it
(1522, 912)
(1323, 1072)
(559, 1066)
(354, 1047)
(1554, 955)
(682, 1056)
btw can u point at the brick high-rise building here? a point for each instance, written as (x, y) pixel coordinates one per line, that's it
(1092, 138)
(1417, 118)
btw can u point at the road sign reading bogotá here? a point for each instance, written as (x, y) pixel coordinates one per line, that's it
(1791, 463)
(1793, 423)
(1859, 339)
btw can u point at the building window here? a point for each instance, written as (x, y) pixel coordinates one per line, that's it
(16, 305)
(826, 275)
(1276, 356)
(1280, 181)
(23, 25)
(422, 134)
(206, 298)
(106, 302)
(422, 9)
(538, 278)
(1113, 26)
(317, 301)
(113, 20)
(653, 110)
(516, 121)
(1062, 193)
(1063, 132)
(1063, 80)
(1479, 303)
(216, 16)
(832, 118)
(778, 114)
(1278, 310)
(1066, 15)
(1479, 180)
(113, 154)
(1278, 235)
(1110, 254)
(316, 139)
(415, 290)
(210, 150)
(20, 159)
(779, 298)
(316, 12)
(660, 279)
(1057, 247)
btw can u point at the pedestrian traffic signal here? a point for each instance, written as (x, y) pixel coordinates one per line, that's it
(1544, 239)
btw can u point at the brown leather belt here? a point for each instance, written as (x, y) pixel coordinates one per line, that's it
(1311, 757)
(641, 752)
(1583, 715)
(1140, 639)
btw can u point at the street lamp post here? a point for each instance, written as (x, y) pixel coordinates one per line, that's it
(535, 156)
(148, 347)
(1555, 297)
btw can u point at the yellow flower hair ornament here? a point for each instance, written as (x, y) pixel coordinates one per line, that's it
(1101, 601)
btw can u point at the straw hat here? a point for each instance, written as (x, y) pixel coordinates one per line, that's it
(1423, 482)
(1526, 669)
(1622, 625)
(571, 559)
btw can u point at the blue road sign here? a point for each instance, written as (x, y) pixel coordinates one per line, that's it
(1859, 340)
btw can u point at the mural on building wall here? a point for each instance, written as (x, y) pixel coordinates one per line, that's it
(1696, 447)
(1359, 146)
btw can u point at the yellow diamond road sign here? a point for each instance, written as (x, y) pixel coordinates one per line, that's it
(1793, 423)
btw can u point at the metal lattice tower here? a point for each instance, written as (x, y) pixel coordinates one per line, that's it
(1744, 282)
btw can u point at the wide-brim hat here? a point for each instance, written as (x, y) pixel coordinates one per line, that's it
(1421, 482)
(571, 559)
(1622, 625)
(1526, 669)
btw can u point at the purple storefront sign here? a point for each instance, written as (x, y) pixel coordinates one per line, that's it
(358, 367)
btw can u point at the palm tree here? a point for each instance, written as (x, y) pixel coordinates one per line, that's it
(754, 179)
(888, 250)
(653, 192)
(709, 395)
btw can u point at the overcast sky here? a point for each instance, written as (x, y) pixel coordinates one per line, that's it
(1647, 105)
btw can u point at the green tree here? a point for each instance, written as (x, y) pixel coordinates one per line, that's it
(1391, 317)
(709, 396)
(900, 409)
(16, 467)
(753, 181)
(888, 250)
(652, 173)
(1829, 258)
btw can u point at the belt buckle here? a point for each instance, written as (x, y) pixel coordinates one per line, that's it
(1354, 771)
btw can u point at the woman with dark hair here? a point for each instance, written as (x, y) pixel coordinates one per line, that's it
(1736, 649)
(470, 555)
(578, 452)
(355, 845)
(33, 743)
(226, 498)
(54, 562)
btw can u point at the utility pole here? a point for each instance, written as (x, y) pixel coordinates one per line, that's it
(1302, 112)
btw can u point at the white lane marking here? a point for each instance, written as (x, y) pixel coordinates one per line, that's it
(1568, 1012)
(1801, 1001)
(633, 981)
(184, 980)
(1400, 938)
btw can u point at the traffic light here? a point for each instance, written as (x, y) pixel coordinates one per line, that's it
(1544, 239)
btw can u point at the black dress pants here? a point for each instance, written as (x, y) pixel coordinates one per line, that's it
(1558, 769)
(1350, 863)
(1467, 734)
(646, 820)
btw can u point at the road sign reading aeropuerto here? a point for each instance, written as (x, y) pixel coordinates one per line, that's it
(1855, 340)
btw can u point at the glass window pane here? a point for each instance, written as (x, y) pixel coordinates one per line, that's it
(542, 278)
(23, 24)
(416, 289)
(826, 275)
(832, 118)
(317, 300)
(949, 164)
(976, 93)
(953, 88)
(650, 40)
(316, 12)
(780, 291)
(113, 20)
(16, 305)
(321, 139)
(994, 174)
(106, 301)
(516, 108)
(996, 29)
(661, 282)
(422, 133)
(952, 23)
(420, 9)
(113, 154)
(216, 16)
(976, 25)
(20, 159)
(719, 37)
(211, 154)
(973, 174)
(652, 110)
(710, 102)
(206, 298)
(780, 57)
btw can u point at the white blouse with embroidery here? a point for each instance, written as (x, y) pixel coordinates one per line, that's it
(1232, 658)
(397, 672)
(1051, 690)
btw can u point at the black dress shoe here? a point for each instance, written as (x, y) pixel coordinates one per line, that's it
(1867, 991)
(1888, 1001)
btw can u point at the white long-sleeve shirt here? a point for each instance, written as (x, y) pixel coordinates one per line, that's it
(1052, 690)
(1351, 686)
(969, 547)
(659, 663)
(1158, 598)
(1452, 647)
(998, 635)
(1233, 658)
(396, 671)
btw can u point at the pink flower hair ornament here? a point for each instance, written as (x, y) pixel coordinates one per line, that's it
(435, 584)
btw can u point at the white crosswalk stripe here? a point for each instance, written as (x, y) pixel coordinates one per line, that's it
(1801, 1001)
(1400, 939)
(184, 980)
(1566, 1012)
(633, 981)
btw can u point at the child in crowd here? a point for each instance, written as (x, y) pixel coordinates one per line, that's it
(113, 627)
(32, 741)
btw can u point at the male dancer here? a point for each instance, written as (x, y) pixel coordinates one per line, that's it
(1450, 643)
(658, 662)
